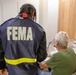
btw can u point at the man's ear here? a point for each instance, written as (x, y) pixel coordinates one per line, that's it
(56, 43)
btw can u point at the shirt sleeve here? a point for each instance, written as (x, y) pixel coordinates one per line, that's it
(42, 53)
(54, 61)
(75, 62)
(2, 61)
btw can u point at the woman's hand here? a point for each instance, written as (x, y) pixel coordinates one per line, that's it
(3, 72)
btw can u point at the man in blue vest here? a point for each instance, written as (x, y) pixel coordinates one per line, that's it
(23, 43)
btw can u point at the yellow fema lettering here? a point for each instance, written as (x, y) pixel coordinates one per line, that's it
(19, 33)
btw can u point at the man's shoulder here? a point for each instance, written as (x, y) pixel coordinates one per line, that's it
(57, 55)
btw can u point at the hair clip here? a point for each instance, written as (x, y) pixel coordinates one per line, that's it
(24, 15)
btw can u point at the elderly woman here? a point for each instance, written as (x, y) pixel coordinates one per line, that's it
(64, 61)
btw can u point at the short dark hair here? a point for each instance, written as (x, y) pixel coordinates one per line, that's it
(29, 9)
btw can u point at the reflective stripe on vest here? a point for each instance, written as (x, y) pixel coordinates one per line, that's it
(20, 60)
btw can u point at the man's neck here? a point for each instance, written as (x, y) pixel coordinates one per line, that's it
(60, 48)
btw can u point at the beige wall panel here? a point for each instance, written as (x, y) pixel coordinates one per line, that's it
(67, 17)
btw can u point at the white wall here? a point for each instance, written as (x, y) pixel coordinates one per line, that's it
(48, 17)
(1, 12)
(53, 6)
(9, 8)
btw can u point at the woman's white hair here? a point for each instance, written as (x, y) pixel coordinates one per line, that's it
(62, 38)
